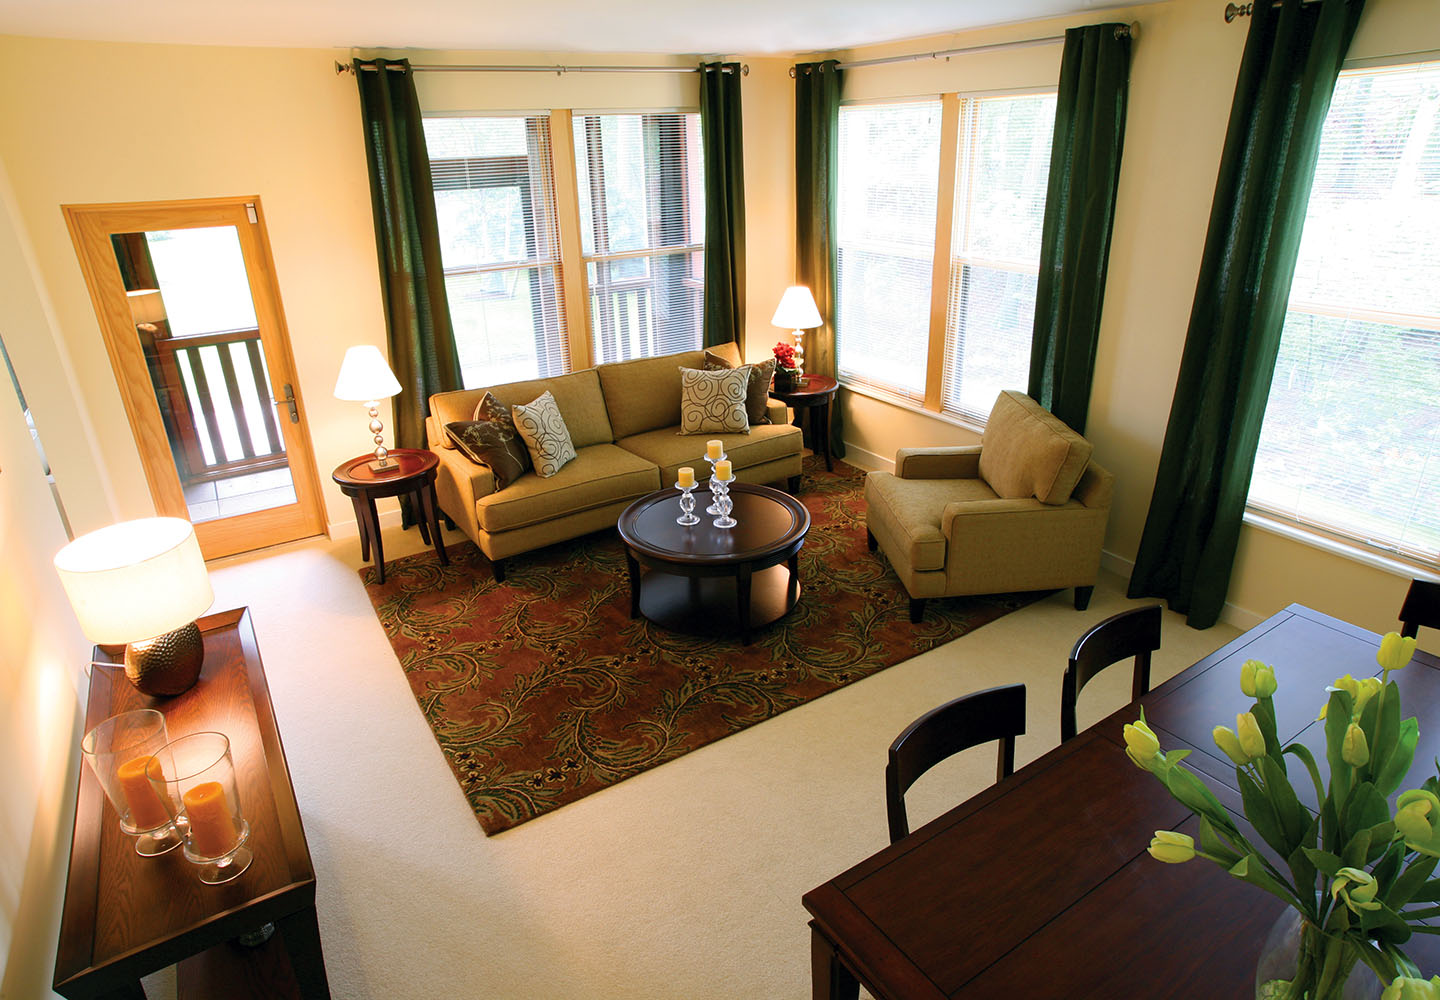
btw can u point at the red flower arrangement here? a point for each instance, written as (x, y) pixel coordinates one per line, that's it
(785, 355)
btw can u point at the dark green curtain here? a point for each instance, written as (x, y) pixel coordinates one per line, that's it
(724, 156)
(1079, 212)
(817, 158)
(407, 243)
(1287, 75)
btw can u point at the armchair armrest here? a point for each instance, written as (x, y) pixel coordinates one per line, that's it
(961, 462)
(1096, 487)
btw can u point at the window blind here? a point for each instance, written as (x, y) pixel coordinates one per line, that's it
(1351, 439)
(1001, 175)
(500, 244)
(885, 243)
(642, 227)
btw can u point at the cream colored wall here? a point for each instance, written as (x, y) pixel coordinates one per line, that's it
(104, 122)
(41, 659)
(1182, 80)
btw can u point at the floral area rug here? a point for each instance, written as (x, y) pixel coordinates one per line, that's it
(542, 689)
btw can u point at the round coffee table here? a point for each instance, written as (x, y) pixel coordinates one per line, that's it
(710, 580)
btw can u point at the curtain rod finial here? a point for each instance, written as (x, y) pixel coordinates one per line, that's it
(1232, 11)
(342, 68)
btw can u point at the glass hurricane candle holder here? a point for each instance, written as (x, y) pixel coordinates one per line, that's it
(715, 488)
(120, 751)
(201, 788)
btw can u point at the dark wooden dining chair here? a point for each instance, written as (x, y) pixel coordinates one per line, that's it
(1421, 607)
(1130, 633)
(997, 713)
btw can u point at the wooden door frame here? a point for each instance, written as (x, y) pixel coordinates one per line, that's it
(90, 229)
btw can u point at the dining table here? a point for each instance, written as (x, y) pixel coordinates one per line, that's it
(1041, 885)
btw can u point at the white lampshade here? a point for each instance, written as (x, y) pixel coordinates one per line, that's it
(135, 580)
(364, 376)
(796, 310)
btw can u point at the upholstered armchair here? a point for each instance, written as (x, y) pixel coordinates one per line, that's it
(1023, 510)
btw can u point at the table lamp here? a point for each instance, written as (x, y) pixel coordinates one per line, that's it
(366, 378)
(142, 584)
(797, 312)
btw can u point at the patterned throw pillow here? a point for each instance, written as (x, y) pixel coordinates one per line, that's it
(546, 436)
(490, 439)
(757, 398)
(714, 402)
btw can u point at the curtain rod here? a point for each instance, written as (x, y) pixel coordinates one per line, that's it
(1131, 30)
(1234, 10)
(557, 70)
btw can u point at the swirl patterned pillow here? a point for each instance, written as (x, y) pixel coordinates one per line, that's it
(757, 402)
(489, 438)
(714, 402)
(545, 434)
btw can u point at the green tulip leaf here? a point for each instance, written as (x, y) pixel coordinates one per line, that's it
(1294, 817)
(1212, 845)
(1367, 808)
(1385, 925)
(1412, 882)
(1325, 861)
(1264, 712)
(1249, 869)
(1382, 843)
(1430, 891)
(1380, 961)
(1307, 758)
(1194, 795)
(1424, 913)
(1262, 814)
(1302, 869)
(1337, 720)
(1389, 775)
(1388, 730)
(1357, 850)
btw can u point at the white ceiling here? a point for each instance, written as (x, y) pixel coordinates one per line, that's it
(683, 26)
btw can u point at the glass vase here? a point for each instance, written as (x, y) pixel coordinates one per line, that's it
(1298, 962)
(198, 780)
(119, 751)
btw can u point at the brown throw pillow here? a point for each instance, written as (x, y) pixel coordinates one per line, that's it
(489, 438)
(757, 396)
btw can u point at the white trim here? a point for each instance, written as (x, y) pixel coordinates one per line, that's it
(585, 112)
(876, 393)
(1392, 564)
(1398, 60)
(509, 113)
(867, 461)
(351, 528)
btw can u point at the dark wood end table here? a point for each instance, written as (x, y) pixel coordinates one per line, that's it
(812, 393)
(414, 477)
(715, 580)
(126, 916)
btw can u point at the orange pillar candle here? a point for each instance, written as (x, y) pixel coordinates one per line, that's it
(713, 450)
(212, 828)
(147, 811)
(687, 477)
(722, 470)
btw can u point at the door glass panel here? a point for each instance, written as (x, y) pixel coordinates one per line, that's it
(189, 296)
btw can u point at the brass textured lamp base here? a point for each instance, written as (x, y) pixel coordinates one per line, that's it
(167, 664)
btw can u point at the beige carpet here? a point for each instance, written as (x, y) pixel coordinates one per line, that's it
(683, 882)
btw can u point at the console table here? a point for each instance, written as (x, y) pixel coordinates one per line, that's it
(126, 916)
(1041, 885)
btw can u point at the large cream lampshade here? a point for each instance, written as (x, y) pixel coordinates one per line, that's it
(142, 583)
(797, 312)
(366, 378)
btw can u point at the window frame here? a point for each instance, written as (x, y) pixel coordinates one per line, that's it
(952, 110)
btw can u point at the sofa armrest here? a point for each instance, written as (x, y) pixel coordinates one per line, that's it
(1096, 487)
(459, 483)
(777, 411)
(938, 463)
(434, 434)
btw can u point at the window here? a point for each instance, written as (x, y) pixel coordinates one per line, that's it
(1351, 439)
(1001, 175)
(950, 348)
(642, 228)
(495, 199)
(885, 243)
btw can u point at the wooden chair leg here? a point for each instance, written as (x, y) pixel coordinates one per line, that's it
(1082, 597)
(917, 610)
(870, 542)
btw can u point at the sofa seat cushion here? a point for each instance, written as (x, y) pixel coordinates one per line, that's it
(1028, 451)
(909, 512)
(670, 451)
(600, 474)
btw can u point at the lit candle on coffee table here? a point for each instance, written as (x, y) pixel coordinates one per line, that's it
(713, 450)
(687, 478)
(722, 470)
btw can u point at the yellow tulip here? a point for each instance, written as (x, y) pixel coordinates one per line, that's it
(1417, 818)
(1257, 680)
(1247, 731)
(1356, 888)
(1355, 750)
(1142, 746)
(1171, 847)
(1227, 741)
(1395, 651)
(1405, 988)
(1360, 693)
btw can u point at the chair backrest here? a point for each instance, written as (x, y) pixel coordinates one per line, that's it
(1130, 633)
(1421, 607)
(994, 714)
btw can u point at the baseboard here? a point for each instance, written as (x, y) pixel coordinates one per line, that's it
(1230, 614)
(351, 528)
(867, 461)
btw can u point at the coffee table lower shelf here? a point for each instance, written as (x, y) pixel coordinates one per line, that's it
(710, 605)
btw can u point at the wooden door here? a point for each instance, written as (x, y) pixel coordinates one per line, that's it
(186, 296)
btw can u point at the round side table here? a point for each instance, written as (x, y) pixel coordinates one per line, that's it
(813, 393)
(414, 476)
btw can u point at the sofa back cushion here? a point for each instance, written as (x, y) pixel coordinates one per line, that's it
(644, 394)
(1027, 451)
(577, 395)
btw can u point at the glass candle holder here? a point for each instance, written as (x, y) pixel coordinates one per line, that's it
(201, 789)
(120, 752)
(724, 504)
(714, 507)
(687, 505)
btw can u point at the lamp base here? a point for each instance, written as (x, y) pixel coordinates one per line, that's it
(168, 664)
(383, 465)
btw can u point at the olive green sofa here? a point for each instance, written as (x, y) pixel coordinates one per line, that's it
(623, 419)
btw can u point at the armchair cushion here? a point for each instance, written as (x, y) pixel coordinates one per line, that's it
(1027, 451)
(909, 513)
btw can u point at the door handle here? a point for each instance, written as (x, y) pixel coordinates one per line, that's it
(289, 401)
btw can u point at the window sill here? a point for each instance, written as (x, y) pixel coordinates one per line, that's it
(964, 423)
(1392, 564)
